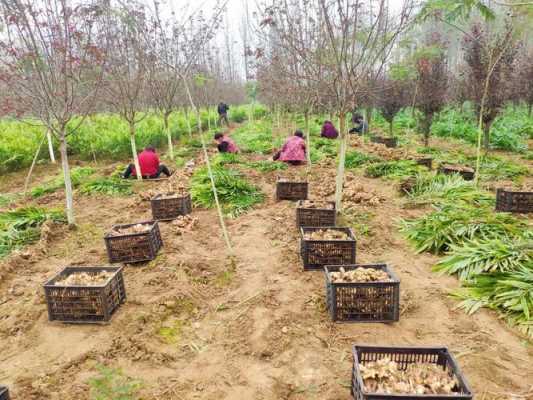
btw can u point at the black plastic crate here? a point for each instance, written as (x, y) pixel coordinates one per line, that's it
(136, 247)
(85, 304)
(466, 172)
(4, 393)
(426, 162)
(405, 356)
(286, 190)
(318, 253)
(315, 216)
(169, 208)
(388, 142)
(511, 201)
(363, 301)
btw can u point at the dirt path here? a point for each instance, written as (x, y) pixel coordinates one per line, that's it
(199, 324)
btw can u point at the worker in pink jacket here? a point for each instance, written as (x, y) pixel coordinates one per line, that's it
(293, 151)
(225, 144)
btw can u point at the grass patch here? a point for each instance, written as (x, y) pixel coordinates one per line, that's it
(356, 159)
(111, 186)
(267, 166)
(393, 169)
(112, 384)
(22, 226)
(236, 194)
(77, 177)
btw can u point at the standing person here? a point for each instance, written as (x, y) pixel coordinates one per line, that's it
(225, 144)
(329, 131)
(223, 113)
(293, 151)
(360, 124)
(151, 168)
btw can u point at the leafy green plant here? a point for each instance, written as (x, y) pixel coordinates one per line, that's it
(111, 186)
(227, 158)
(474, 257)
(22, 226)
(254, 137)
(77, 176)
(495, 168)
(355, 159)
(235, 194)
(453, 224)
(450, 189)
(267, 166)
(509, 292)
(112, 384)
(393, 169)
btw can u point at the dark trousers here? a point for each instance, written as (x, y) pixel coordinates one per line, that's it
(223, 117)
(162, 170)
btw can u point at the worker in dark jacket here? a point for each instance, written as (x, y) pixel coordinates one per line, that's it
(151, 168)
(361, 126)
(223, 113)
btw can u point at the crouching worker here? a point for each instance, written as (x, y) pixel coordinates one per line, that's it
(293, 151)
(225, 144)
(151, 168)
(329, 131)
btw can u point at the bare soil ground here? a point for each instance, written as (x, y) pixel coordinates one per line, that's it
(199, 324)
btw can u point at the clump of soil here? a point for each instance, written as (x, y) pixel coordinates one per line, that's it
(85, 279)
(359, 275)
(316, 204)
(184, 223)
(131, 230)
(357, 193)
(460, 168)
(385, 376)
(326, 234)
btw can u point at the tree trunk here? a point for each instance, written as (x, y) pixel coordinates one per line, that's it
(189, 127)
(169, 135)
(208, 120)
(199, 122)
(529, 109)
(340, 169)
(66, 177)
(252, 112)
(308, 138)
(35, 157)
(486, 136)
(368, 112)
(50, 146)
(427, 128)
(134, 151)
(390, 128)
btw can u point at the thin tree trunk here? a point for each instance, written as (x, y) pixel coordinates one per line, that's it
(340, 168)
(368, 112)
(169, 135)
(308, 138)
(199, 122)
(211, 178)
(390, 128)
(208, 120)
(486, 136)
(50, 146)
(427, 129)
(66, 178)
(35, 157)
(134, 151)
(189, 127)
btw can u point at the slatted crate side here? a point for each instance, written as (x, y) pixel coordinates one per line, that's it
(405, 356)
(315, 216)
(170, 208)
(4, 393)
(363, 301)
(511, 201)
(292, 190)
(447, 169)
(85, 304)
(136, 247)
(317, 253)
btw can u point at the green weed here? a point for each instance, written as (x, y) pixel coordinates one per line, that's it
(112, 384)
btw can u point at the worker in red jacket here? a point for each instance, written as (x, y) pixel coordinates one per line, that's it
(151, 168)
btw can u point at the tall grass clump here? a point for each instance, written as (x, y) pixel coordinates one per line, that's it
(22, 226)
(236, 195)
(111, 186)
(393, 169)
(356, 159)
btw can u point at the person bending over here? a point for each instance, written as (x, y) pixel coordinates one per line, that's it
(293, 151)
(223, 113)
(360, 124)
(225, 144)
(151, 168)
(329, 131)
